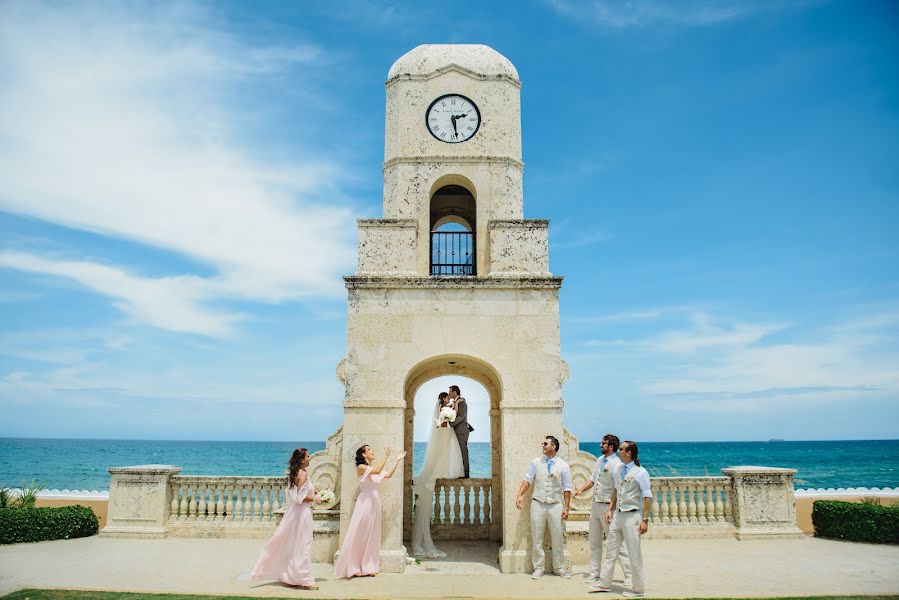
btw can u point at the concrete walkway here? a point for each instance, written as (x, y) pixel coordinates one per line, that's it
(675, 568)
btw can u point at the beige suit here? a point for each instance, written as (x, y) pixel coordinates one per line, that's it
(603, 485)
(624, 529)
(546, 510)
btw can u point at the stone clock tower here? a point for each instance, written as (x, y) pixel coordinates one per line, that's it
(453, 280)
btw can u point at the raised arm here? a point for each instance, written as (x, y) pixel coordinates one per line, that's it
(379, 465)
(392, 470)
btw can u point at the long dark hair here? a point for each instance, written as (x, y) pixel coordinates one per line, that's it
(296, 464)
(632, 446)
(360, 456)
(440, 399)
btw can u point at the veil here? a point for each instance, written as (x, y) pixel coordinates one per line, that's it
(443, 459)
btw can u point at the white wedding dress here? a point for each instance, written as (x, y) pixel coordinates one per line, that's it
(443, 460)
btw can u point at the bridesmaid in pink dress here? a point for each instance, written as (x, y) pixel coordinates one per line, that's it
(360, 554)
(288, 554)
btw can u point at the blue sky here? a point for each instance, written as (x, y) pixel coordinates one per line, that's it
(179, 185)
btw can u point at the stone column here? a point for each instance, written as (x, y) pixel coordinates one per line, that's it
(763, 502)
(140, 501)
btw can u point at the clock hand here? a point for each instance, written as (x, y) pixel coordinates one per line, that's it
(455, 131)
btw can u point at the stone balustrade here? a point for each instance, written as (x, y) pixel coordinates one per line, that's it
(691, 501)
(156, 501)
(230, 499)
(462, 509)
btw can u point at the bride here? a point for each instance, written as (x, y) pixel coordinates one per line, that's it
(443, 460)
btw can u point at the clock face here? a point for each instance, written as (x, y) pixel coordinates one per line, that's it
(453, 118)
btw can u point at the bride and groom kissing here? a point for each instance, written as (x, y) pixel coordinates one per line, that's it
(445, 458)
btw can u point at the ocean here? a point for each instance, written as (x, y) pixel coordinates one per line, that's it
(81, 464)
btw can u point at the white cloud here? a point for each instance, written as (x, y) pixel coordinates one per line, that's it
(717, 365)
(171, 303)
(119, 124)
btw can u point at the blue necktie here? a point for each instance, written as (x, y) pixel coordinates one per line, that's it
(549, 466)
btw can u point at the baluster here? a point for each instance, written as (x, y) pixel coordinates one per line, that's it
(665, 513)
(682, 504)
(176, 493)
(183, 490)
(220, 505)
(717, 508)
(257, 504)
(447, 504)
(237, 513)
(266, 505)
(201, 504)
(700, 505)
(437, 490)
(210, 504)
(672, 490)
(655, 508)
(276, 500)
(477, 519)
(229, 501)
(691, 507)
(192, 491)
(728, 506)
(457, 505)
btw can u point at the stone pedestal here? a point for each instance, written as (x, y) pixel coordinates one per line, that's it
(140, 500)
(763, 502)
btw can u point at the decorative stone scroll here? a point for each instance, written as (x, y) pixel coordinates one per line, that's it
(324, 469)
(581, 464)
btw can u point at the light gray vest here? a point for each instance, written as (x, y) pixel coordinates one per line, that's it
(548, 489)
(630, 496)
(604, 484)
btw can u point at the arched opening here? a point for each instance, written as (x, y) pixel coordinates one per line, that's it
(453, 222)
(464, 509)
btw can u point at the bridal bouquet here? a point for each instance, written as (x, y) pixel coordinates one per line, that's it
(327, 496)
(447, 415)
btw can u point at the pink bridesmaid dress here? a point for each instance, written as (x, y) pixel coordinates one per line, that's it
(360, 553)
(287, 556)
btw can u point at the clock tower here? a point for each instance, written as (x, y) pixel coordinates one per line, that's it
(453, 280)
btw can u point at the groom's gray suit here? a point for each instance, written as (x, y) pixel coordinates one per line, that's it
(462, 429)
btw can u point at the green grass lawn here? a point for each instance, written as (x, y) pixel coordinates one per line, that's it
(82, 595)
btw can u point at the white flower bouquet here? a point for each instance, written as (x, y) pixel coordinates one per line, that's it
(326, 496)
(447, 415)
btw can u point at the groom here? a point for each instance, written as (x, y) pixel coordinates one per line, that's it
(460, 425)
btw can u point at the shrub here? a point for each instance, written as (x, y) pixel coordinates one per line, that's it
(50, 523)
(857, 522)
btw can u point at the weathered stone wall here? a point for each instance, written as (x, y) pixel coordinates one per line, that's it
(510, 325)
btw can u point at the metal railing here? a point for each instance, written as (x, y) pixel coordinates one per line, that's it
(453, 253)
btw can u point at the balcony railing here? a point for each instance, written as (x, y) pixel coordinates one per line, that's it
(453, 253)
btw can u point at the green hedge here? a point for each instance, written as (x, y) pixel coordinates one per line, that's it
(857, 522)
(49, 523)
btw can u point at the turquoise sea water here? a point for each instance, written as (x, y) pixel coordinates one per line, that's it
(82, 464)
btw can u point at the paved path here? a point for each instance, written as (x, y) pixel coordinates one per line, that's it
(676, 568)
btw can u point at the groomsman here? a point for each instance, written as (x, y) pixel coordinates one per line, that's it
(628, 517)
(551, 478)
(602, 483)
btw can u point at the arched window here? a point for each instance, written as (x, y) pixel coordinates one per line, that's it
(453, 227)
